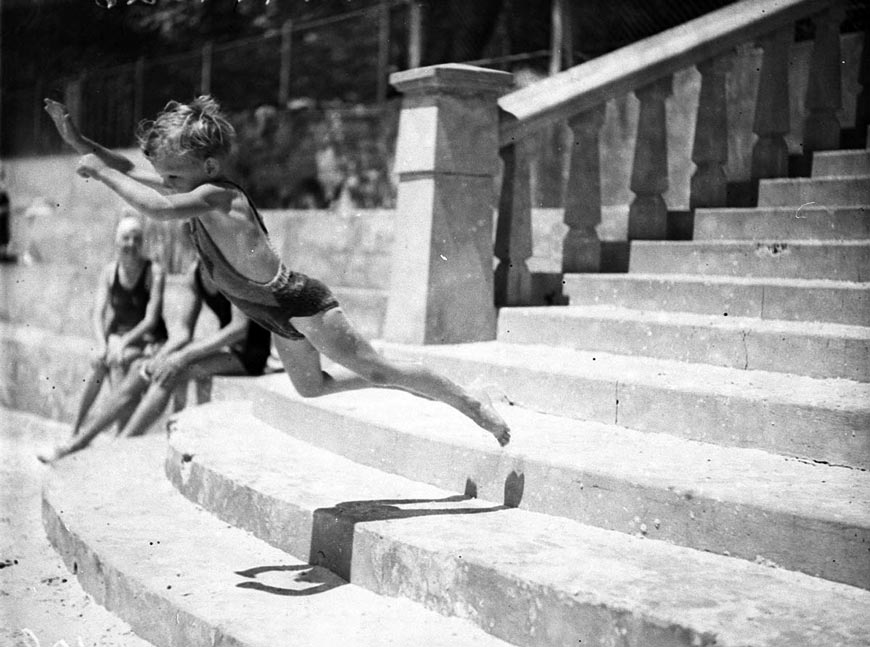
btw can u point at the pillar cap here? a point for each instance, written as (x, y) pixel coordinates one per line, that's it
(454, 77)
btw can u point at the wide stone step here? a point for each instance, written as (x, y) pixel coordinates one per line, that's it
(822, 350)
(732, 501)
(841, 163)
(782, 223)
(820, 420)
(825, 192)
(181, 577)
(839, 302)
(826, 260)
(528, 578)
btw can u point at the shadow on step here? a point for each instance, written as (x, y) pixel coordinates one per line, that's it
(310, 581)
(333, 529)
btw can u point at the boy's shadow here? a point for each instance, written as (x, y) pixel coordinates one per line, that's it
(321, 579)
(332, 529)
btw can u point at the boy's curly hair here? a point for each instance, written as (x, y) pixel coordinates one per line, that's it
(198, 128)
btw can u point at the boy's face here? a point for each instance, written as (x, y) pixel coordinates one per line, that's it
(183, 173)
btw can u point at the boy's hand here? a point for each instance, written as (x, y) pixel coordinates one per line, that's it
(164, 371)
(64, 124)
(90, 166)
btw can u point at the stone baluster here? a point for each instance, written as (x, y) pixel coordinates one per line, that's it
(513, 238)
(710, 150)
(441, 288)
(772, 123)
(823, 98)
(581, 249)
(648, 214)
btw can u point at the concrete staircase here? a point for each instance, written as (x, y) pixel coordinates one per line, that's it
(689, 466)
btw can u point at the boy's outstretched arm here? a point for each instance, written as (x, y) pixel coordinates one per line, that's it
(69, 132)
(202, 201)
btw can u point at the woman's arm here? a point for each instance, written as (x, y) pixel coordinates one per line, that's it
(165, 370)
(101, 306)
(202, 201)
(233, 332)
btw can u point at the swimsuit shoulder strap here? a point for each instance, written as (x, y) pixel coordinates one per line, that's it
(250, 202)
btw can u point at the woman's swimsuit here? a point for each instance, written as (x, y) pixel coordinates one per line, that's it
(273, 304)
(253, 351)
(129, 307)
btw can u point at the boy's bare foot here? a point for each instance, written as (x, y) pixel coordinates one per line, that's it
(487, 417)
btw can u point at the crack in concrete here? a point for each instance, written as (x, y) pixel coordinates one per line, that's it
(744, 335)
(616, 406)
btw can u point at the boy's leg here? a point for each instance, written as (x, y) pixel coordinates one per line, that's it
(157, 396)
(92, 389)
(332, 334)
(301, 361)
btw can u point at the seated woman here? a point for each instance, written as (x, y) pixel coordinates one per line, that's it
(127, 317)
(239, 347)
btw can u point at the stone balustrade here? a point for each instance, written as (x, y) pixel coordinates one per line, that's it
(646, 69)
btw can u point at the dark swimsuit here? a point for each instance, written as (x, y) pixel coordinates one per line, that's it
(273, 304)
(253, 351)
(129, 306)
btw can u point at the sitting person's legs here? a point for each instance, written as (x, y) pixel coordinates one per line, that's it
(159, 392)
(120, 401)
(94, 383)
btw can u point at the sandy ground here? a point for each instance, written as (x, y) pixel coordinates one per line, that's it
(41, 604)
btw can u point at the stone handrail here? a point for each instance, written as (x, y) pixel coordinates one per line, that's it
(563, 95)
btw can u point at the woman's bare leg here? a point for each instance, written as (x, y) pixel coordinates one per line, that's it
(332, 334)
(129, 391)
(93, 385)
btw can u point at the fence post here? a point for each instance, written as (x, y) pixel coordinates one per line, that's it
(415, 33)
(37, 114)
(383, 49)
(205, 71)
(72, 97)
(138, 90)
(284, 79)
(441, 289)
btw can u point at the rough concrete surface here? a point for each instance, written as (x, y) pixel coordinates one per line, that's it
(565, 583)
(740, 502)
(183, 578)
(37, 592)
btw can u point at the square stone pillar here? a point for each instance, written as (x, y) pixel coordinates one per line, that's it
(446, 159)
